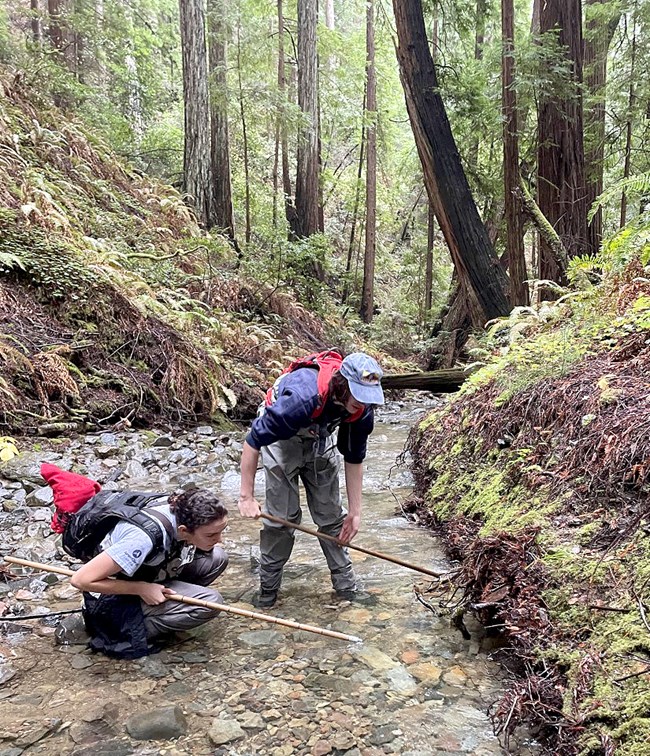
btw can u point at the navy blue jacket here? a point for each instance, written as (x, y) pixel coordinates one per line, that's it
(292, 410)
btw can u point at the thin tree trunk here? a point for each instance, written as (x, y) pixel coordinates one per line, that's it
(514, 224)
(196, 159)
(244, 129)
(598, 38)
(355, 207)
(431, 217)
(445, 179)
(55, 24)
(367, 291)
(37, 34)
(306, 221)
(220, 142)
(330, 22)
(560, 161)
(479, 41)
(284, 141)
(630, 112)
(428, 274)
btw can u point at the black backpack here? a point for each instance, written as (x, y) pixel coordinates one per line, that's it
(88, 527)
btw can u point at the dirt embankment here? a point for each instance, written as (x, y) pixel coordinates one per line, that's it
(538, 477)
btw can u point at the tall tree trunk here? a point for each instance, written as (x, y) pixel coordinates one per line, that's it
(445, 179)
(630, 114)
(514, 224)
(37, 35)
(599, 33)
(355, 208)
(306, 221)
(368, 288)
(330, 21)
(431, 217)
(56, 27)
(196, 160)
(244, 129)
(284, 141)
(220, 142)
(428, 270)
(560, 161)
(479, 41)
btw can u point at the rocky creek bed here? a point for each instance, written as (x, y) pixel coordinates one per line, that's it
(413, 687)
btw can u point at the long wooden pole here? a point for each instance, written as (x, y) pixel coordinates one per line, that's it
(378, 554)
(207, 604)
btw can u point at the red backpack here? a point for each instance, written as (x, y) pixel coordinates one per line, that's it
(328, 364)
(71, 492)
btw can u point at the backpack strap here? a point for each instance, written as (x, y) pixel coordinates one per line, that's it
(166, 523)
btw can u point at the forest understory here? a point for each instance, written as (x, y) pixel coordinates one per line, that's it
(537, 476)
(116, 308)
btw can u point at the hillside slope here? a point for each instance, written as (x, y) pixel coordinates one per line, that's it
(114, 305)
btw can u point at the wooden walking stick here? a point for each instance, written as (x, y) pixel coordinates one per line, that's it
(378, 554)
(207, 604)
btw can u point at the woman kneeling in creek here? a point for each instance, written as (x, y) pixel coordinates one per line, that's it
(134, 577)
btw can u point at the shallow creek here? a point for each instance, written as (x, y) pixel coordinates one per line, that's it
(413, 687)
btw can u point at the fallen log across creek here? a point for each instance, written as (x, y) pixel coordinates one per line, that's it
(441, 381)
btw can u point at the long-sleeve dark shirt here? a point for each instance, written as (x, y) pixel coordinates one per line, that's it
(297, 398)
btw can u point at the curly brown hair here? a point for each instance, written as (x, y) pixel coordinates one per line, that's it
(196, 508)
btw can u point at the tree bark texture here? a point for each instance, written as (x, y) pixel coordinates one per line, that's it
(514, 224)
(306, 221)
(598, 37)
(196, 159)
(220, 141)
(445, 179)
(560, 159)
(367, 291)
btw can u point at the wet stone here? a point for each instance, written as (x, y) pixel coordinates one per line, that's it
(225, 731)
(81, 662)
(164, 723)
(40, 497)
(113, 747)
(261, 638)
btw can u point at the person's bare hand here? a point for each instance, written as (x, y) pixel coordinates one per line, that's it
(249, 506)
(153, 594)
(350, 528)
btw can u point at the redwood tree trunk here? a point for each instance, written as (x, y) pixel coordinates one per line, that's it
(196, 160)
(367, 292)
(514, 221)
(560, 159)
(445, 179)
(306, 221)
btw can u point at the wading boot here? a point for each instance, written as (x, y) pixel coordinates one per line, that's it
(265, 599)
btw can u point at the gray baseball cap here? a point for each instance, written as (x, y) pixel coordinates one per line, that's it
(364, 378)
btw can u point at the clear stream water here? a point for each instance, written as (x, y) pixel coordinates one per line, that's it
(414, 686)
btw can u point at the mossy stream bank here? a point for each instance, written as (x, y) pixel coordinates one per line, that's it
(538, 477)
